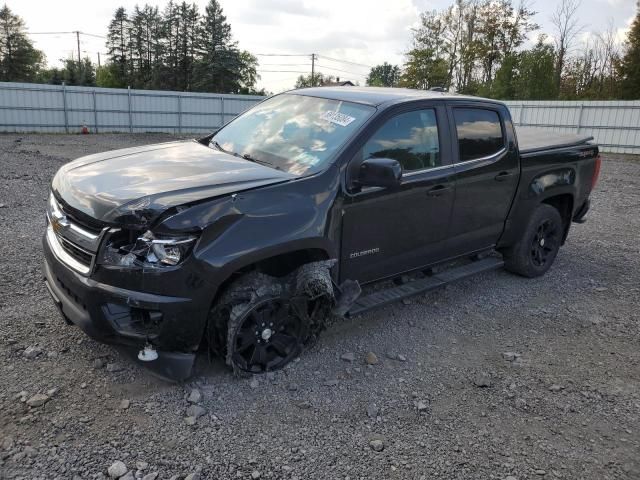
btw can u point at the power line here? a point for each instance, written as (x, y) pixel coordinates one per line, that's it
(346, 61)
(281, 71)
(343, 71)
(281, 54)
(284, 64)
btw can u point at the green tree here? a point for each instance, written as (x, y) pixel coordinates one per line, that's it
(423, 70)
(19, 60)
(385, 75)
(318, 79)
(118, 41)
(629, 65)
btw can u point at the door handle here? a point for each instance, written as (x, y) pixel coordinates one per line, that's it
(438, 190)
(502, 176)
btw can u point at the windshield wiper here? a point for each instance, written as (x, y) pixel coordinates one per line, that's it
(244, 156)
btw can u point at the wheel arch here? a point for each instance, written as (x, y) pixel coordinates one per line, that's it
(564, 204)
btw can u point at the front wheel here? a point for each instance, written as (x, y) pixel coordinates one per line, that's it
(538, 246)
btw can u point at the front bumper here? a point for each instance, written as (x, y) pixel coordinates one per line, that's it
(128, 318)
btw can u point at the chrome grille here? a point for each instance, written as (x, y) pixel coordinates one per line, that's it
(75, 244)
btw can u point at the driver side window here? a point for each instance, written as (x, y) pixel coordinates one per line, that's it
(410, 138)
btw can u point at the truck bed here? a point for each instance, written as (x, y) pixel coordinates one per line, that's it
(533, 140)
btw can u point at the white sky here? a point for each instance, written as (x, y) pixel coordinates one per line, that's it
(366, 32)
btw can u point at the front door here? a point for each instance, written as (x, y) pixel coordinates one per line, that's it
(389, 231)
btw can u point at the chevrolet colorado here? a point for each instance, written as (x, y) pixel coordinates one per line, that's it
(248, 241)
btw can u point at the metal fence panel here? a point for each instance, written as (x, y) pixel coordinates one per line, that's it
(27, 107)
(615, 125)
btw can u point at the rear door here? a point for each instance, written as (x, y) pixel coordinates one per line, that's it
(486, 169)
(389, 231)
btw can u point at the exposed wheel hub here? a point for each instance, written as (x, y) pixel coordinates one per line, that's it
(545, 241)
(266, 334)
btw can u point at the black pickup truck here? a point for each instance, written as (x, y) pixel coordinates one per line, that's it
(313, 204)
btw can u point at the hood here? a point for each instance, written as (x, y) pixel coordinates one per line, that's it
(135, 185)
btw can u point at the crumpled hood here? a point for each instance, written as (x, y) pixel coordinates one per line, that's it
(135, 185)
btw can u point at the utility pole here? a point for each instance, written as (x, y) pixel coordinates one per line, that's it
(313, 69)
(77, 32)
(98, 59)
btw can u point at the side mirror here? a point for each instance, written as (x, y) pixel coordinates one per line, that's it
(379, 172)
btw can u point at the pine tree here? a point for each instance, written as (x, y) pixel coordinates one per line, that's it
(118, 47)
(19, 60)
(629, 67)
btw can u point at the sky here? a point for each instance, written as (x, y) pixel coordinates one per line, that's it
(348, 35)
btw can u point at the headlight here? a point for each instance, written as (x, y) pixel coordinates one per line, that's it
(147, 250)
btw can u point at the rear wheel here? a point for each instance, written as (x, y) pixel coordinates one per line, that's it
(536, 250)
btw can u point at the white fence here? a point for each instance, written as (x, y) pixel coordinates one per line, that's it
(28, 107)
(615, 125)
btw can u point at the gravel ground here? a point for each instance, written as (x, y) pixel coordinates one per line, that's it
(496, 377)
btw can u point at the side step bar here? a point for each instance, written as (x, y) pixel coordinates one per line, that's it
(393, 294)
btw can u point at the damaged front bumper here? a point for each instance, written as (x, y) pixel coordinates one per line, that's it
(128, 318)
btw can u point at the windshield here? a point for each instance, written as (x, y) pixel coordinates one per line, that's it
(293, 133)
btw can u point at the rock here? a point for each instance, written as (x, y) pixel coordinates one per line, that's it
(402, 358)
(38, 400)
(331, 383)
(32, 352)
(303, 405)
(195, 411)
(376, 445)
(348, 357)
(422, 406)
(190, 420)
(150, 476)
(255, 474)
(391, 355)
(128, 476)
(555, 387)
(195, 396)
(114, 367)
(192, 476)
(372, 410)
(98, 363)
(292, 387)
(510, 356)
(371, 358)
(254, 383)
(7, 443)
(482, 381)
(52, 391)
(510, 477)
(117, 469)
(124, 404)
(540, 472)
(142, 465)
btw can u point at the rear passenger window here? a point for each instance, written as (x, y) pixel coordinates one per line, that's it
(411, 138)
(479, 132)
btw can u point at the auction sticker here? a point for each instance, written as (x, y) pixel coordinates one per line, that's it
(337, 118)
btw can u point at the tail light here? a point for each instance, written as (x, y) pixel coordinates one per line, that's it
(596, 172)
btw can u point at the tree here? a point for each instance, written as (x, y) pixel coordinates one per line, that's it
(629, 65)
(567, 28)
(385, 75)
(318, 79)
(19, 60)
(118, 47)
(423, 70)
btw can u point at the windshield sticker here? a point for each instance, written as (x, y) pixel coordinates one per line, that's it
(337, 118)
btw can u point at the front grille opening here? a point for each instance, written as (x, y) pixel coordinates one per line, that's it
(133, 321)
(77, 253)
(71, 294)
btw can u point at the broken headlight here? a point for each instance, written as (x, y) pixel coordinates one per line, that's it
(147, 250)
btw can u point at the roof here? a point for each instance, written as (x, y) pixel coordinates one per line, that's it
(341, 83)
(375, 95)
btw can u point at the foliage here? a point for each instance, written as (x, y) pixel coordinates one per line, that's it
(385, 75)
(317, 80)
(19, 60)
(629, 66)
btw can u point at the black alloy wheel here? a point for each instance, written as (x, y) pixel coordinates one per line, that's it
(267, 337)
(545, 243)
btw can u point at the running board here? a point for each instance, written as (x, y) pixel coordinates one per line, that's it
(393, 294)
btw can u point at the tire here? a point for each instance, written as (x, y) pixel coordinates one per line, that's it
(262, 323)
(536, 250)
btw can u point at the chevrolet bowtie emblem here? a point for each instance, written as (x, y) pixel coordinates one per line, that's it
(59, 222)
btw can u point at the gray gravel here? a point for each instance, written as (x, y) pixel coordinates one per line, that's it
(496, 377)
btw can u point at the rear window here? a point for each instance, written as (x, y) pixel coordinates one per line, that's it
(479, 132)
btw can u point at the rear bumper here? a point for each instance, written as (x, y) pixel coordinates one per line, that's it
(128, 318)
(581, 214)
